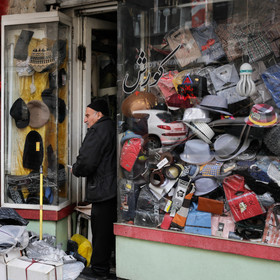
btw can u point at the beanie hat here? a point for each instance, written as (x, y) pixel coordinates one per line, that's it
(32, 157)
(20, 113)
(99, 105)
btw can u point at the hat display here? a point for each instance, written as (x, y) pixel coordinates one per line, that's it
(201, 130)
(19, 111)
(262, 115)
(196, 152)
(228, 146)
(205, 185)
(194, 114)
(33, 153)
(39, 113)
(41, 59)
(138, 101)
(215, 103)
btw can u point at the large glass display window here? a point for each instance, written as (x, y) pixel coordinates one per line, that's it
(198, 119)
(35, 117)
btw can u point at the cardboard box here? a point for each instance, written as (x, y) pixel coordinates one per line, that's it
(4, 259)
(23, 269)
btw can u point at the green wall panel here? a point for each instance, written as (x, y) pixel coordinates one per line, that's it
(146, 260)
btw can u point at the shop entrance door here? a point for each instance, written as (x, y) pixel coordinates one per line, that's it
(100, 68)
(100, 64)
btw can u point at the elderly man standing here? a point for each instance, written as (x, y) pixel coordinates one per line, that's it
(97, 162)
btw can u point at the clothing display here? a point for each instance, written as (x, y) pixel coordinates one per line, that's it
(220, 78)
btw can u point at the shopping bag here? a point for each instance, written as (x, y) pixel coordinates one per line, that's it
(242, 202)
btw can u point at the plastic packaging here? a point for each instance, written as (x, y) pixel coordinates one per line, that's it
(13, 237)
(72, 270)
(149, 209)
(41, 250)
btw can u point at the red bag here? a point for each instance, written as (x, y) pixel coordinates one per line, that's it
(129, 153)
(271, 234)
(243, 203)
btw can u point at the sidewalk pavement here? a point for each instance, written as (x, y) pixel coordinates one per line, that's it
(112, 272)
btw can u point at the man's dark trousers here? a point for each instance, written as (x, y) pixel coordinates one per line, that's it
(103, 215)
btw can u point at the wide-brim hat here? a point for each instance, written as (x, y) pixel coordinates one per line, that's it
(138, 101)
(39, 113)
(228, 146)
(41, 59)
(202, 130)
(215, 103)
(194, 114)
(205, 185)
(196, 151)
(19, 111)
(262, 115)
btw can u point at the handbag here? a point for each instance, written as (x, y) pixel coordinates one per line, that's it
(242, 202)
(271, 234)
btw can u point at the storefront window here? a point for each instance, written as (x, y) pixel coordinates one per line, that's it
(198, 119)
(35, 110)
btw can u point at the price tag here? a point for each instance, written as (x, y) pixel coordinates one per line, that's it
(162, 163)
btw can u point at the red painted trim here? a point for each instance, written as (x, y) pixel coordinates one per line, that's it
(196, 241)
(48, 215)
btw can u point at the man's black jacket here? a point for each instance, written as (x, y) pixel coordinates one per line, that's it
(97, 161)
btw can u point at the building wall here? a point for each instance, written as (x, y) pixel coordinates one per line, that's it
(26, 6)
(141, 259)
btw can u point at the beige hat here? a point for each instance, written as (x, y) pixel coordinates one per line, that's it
(41, 59)
(39, 113)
